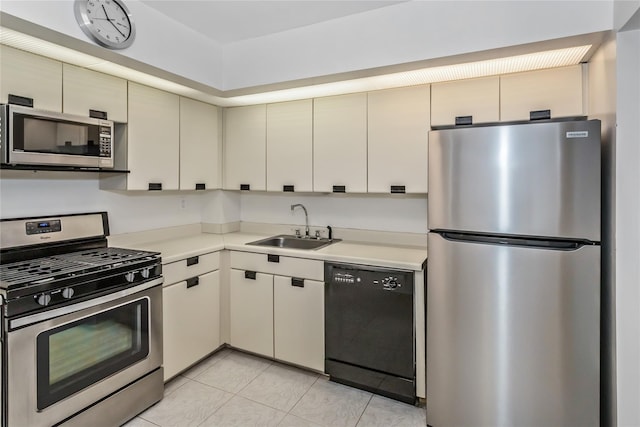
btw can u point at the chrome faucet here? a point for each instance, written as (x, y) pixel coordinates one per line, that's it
(306, 218)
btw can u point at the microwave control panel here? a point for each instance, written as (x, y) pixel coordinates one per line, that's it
(105, 141)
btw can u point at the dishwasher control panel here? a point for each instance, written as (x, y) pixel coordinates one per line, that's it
(369, 277)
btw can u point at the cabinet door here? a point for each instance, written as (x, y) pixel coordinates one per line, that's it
(340, 143)
(556, 89)
(245, 147)
(251, 311)
(478, 98)
(191, 321)
(299, 321)
(199, 145)
(153, 138)
(398, 131)
(31, 76)
(290, 146)
(85, 90)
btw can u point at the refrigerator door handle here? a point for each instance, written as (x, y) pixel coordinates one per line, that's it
(530, 242)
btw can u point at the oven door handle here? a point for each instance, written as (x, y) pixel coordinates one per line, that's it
(56, 312)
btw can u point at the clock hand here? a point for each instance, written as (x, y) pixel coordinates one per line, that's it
(111, 21)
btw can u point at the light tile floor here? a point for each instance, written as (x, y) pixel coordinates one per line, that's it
(232, 388)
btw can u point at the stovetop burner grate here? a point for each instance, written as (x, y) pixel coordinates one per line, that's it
(50, 268)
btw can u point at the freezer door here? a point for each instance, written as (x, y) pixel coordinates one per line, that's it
(513, 335)
(539, 179)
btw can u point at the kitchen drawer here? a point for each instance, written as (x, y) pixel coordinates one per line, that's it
(190, 267)
(284, 266)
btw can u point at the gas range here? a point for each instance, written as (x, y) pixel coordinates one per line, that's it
(38, 284)
(80, 323)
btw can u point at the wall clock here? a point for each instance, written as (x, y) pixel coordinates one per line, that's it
(107, 22)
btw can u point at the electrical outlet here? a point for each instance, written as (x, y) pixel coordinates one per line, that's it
(183, 203)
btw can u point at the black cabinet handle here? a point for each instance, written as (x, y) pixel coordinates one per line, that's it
(398, 189)
(273, 258)
(97, 114)
(339, 189)
(201, 186)
(464, 120)
(540, 115)
(194, 281)
(288, 188)
(245, 187)
(155, 186)
(20, 100)
(250, 275)
(193, 261)
(297, 282)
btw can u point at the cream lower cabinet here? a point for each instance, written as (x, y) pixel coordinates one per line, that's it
(277, 307)
(191, 321)
(298, 321)
(251, 311)
(191, 311)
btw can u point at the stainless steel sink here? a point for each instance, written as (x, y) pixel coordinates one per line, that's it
(294, 242)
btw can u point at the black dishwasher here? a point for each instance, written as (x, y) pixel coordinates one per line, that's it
(369, 329)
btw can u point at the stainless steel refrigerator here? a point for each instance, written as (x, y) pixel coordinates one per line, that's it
(513, 276)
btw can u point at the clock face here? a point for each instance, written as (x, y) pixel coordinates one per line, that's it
(107, 22)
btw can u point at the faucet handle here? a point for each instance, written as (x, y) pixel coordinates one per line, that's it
(318, 234)
(297, 232)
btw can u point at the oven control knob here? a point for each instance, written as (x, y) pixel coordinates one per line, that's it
(145, 272)
(130, 276)
(43, 299)
(67, 293)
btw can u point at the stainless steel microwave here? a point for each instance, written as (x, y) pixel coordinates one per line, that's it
(38, 137)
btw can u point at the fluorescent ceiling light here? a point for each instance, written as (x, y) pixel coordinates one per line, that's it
(506, 65)
(511, 64)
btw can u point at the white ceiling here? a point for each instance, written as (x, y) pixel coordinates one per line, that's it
(228, 21)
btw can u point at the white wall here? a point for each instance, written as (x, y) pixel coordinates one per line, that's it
(364, 212)
(160, 41)
(628, 229)
(25, 194)
(406, 32)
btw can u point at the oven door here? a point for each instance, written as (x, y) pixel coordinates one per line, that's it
(63, 360)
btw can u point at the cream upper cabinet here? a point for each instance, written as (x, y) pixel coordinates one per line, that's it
(251, 311)
(290, 146)
(245, 131)
(398, 134)
(558, 90)
(153, 141)
(199, 145)
(340, 143)
(191, 321)
(85, 90)
(298, 307)
(32, 76)
(478, 99)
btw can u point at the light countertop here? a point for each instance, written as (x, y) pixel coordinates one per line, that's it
(177, 248)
